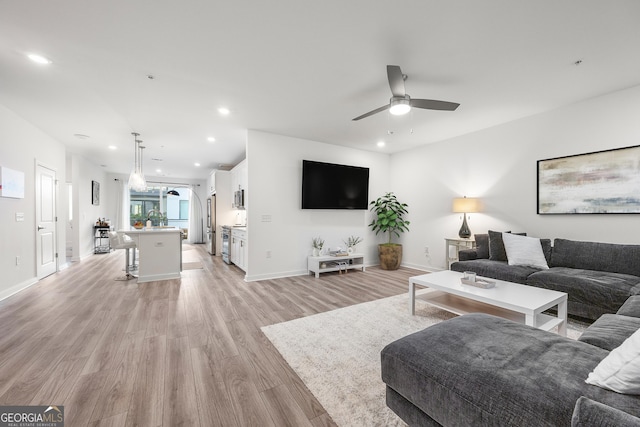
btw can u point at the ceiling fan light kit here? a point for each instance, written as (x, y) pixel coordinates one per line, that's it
(401, 103)
(399, 106)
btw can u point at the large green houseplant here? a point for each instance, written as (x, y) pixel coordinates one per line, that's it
(389, 219)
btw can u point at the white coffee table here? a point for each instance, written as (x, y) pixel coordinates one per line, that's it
(520, 303)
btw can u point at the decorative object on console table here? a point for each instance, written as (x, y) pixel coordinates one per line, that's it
(317, 243)
(602, 182)
(351, 243)
(389, 219)
(95, 193)
(465, 206)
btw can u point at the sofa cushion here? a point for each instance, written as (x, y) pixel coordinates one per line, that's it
(595, 288)
(614, 258)
(588, 413)
(610, 331)
(620, 370)
(523, 250)
(483, 370)
(495, 270)
(631, 307)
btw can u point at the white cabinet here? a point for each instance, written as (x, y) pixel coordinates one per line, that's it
(239, 248)
(239, 179)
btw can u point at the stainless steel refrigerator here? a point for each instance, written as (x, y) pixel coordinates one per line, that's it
(211, 224)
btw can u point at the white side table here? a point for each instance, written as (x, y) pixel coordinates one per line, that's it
(457, 243)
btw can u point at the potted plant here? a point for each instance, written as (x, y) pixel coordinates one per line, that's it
(351, 243)
(389, 219)
(317, 243)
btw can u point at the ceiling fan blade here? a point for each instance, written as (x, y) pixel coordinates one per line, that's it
(371, 113)
(396, 81)
(432, 104)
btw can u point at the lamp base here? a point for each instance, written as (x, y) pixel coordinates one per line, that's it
(464, 232)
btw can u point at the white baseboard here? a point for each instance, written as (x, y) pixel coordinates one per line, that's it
(428, 268)
(256, 277)
(17, 288)
(280, 275)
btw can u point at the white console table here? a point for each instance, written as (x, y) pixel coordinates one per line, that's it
(327, 263)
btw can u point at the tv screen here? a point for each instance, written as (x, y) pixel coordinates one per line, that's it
(331, 186)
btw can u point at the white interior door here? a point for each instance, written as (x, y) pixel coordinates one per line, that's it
(46, 241)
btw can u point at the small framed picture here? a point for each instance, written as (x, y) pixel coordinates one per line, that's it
(95, 193)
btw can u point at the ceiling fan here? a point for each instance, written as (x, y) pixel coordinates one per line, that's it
(401, 103)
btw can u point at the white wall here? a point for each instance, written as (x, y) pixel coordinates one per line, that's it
(84, 171)
(274, 190)
(498, 165)
(21, 145)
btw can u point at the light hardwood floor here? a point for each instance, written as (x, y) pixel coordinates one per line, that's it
(186, 352)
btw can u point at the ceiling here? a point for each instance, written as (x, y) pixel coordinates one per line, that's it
(298, 68)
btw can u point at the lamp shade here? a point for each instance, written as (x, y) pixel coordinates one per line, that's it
(173, 193)
(466, 205)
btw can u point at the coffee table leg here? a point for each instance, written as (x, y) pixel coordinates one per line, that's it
(530, 320)
(412, 298)
(562, 314)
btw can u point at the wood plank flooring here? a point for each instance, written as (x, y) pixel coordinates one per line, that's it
(186, 352)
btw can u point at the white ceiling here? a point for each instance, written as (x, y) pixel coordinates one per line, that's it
(298, 68)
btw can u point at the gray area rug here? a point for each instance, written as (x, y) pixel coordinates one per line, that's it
(337, 354)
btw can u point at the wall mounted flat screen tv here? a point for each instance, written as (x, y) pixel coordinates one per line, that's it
(332, 186)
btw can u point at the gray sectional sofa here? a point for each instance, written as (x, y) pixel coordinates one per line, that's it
(481, 370)
(598, 277)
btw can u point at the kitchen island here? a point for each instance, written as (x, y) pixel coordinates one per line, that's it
(160, 253)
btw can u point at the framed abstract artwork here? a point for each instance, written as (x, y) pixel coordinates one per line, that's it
(95, 193)
(602, 182)
(11, 183)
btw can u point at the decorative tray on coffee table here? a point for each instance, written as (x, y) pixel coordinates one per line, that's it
(480, 282)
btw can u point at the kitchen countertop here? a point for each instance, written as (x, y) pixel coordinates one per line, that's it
(152, 230)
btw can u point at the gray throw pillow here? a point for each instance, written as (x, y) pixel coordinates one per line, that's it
(497, 252)
(482, 245)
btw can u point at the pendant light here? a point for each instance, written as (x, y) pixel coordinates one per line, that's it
(136, 178)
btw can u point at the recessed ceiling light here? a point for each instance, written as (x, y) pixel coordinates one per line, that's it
(211, 139)
(39, 59)
(158, 170)
(224, 111)
(113, 147)
(196, 164)
(380, 144)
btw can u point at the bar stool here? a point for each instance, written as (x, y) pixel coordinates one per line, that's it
(122, 241)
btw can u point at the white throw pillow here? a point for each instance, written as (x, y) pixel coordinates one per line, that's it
(620, 370)
(523, 250)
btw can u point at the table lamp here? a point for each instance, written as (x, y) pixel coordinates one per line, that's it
(465, 206)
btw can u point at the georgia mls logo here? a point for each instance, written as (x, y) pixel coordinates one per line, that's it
(31, 416)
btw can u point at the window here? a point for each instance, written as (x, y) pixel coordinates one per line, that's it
(153, 204)
(184, 209)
